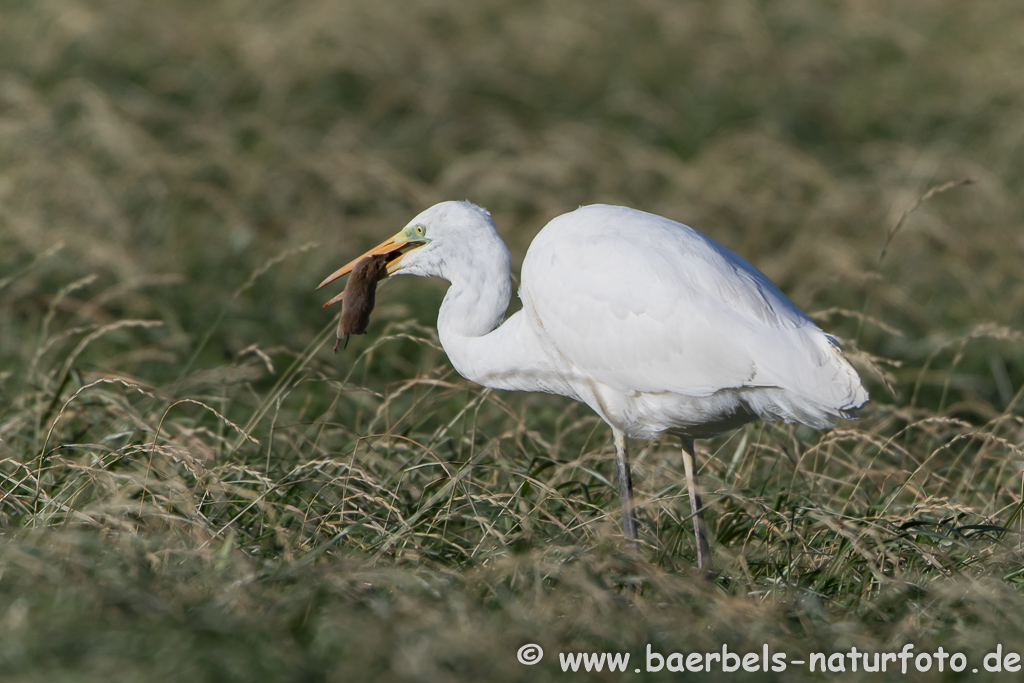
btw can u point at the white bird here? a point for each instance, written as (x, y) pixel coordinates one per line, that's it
(655, 326)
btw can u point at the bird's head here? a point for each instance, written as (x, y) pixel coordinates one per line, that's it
(433, 242)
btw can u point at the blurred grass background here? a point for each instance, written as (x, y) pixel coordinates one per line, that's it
(192, 487)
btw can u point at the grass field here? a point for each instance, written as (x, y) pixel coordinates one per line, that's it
(193, 488)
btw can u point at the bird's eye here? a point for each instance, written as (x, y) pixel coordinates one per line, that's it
(420, 230)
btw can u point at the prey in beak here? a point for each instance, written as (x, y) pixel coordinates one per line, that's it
(366, 271)
(392, 250)
(359, 296)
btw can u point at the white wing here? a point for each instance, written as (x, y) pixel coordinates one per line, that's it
(640, 303)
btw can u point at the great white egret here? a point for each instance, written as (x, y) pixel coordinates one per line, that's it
(654, 325)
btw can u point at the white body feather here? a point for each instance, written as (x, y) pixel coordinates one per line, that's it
(652, 324)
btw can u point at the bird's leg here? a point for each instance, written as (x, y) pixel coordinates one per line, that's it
(625, 489)
(703, 552)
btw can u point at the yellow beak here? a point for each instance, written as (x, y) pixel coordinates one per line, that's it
(395, 248)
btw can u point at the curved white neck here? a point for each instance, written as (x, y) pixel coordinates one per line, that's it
(500, 356)
(474, 308)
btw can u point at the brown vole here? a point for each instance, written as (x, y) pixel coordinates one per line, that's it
(359, 296)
